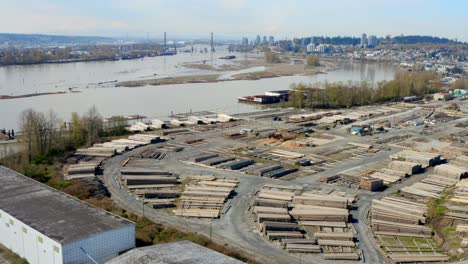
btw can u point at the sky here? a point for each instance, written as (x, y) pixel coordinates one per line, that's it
(236, 18)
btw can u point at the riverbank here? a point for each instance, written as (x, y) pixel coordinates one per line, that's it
(6, 97)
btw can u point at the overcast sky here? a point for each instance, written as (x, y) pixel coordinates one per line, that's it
(236, 18)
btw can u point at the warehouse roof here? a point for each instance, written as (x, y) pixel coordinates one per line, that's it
(57, 215)
(184, 252)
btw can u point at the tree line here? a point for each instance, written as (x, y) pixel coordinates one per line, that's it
(340, 95)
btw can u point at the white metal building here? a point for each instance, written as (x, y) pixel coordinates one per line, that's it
(46, 226)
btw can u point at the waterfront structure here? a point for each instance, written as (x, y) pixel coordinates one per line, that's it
(46, 226)
(363, 40)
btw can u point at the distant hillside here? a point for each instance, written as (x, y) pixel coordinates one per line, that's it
(420, 39)
(48, 40)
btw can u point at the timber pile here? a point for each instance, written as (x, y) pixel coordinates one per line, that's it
(426, 159)
(306, 222)
(118, 146)
(445, 176)
(461, 161)
(396, 171)
(451, 171)
(407, 167)
(395, 217)
(399, 217)
(205, 197)
(158, 188)
(81, 170)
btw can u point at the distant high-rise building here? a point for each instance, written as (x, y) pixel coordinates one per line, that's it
(310, 48)
(258, 39)
(313, 40)
(271, 40)
(245, 41)
(265, 40)
(363, 40)
(321, 48)
(372, 41)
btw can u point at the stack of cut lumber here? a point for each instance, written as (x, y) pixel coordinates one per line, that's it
(439, 180)
(158, 188)
(286, 154)
(407, 167)
(418, 258)
(319, 213)
(273, 219)
(109, 149)
(205, 197)
(394, 216)
(306, 222)
(81, 170)
(321, 200)
(451, 171)
(426, 159)
(461, 161)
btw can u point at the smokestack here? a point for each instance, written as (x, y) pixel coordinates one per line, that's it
(212, 43)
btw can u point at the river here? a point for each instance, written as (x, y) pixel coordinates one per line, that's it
(94, 80)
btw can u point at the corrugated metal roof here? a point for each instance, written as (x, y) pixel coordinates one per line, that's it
(57, 215)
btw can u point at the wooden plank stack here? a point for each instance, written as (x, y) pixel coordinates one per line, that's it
(158, 188)
(81, 170)
(109, 149)
(426, 159)
(399, 217)
(446, 175)
(395, 217)
(306, 222)
(205, 197)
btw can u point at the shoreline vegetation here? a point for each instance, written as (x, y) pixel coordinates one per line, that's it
(49, 142)
(346, 95)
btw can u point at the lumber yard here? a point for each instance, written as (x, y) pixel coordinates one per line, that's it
(297, 185)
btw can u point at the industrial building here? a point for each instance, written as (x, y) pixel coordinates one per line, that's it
(173, 253)
(46, 226)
